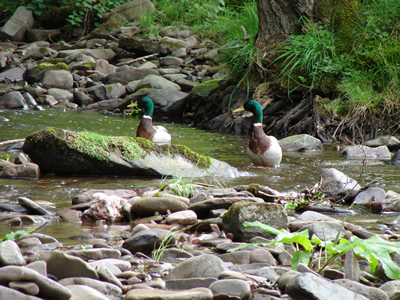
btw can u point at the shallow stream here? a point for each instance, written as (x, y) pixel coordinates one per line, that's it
(297, 172)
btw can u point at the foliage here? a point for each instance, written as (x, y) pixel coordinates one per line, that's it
(6, 157)
(158, 254)
(364, 76)
(13, 236)
(309, 58)
(374, 249)
(83, 12)
(91, 10)
(179, 186)
(190, 12)
(39, 7)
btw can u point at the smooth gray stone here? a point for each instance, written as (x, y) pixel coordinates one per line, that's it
(48, 288)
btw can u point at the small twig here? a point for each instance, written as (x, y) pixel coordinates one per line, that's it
(137, 59)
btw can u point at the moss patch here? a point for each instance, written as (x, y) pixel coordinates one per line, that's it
(99, 146)
(49, 66)
(204, 89)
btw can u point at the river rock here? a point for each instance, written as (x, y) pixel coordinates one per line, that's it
(60, 94)
(267, 213)
(201, 266)
(363, 152)
(142, 294)
(232, 288)
(335, 182)
(262, 255)
(119, 263)
(104, 207)
(362, 289)
(300, 143)
(29, 288)
(10, 254)
(132, 11)
(10, 293)
(147, 240)
(396, 158)
(70, 215)
(310, 286)
(106, 54)
(10, 170)
(106, 275)
(106, 288)
(149, 205)
(63, 265)
(29, 242)
(16, 26)
(87, 196)
(33, 206)
(95, 254)
(104, 92)
(62, 152)
(79, 292)
(371, 194)
(49, 289)
(157, 82)
(185, 217)
(326, 230)
(13, 99)
(57, 79)
(13, 75)
(203, 208)
(124, 77)
(39, 52)
(391, 288)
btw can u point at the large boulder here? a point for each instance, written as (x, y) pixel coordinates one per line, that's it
(132, 11)
(17, 25)
(86, 153)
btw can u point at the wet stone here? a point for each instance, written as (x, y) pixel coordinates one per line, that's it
(10, 254)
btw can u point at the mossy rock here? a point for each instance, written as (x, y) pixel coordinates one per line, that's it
(204, 89)
(33, 76)
(86, 153)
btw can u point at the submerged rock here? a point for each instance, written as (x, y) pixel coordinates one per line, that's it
(85, 153)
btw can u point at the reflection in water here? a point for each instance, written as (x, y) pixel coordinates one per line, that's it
(297, 172)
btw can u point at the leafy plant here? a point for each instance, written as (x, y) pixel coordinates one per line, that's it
(13, 236)
(374, 249)
(38, 7)
(88, 11)
(307, 59)
(179, 186)
(6, 157)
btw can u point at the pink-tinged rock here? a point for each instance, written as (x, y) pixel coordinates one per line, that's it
(105, 207)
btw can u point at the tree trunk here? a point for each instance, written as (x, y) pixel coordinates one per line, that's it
(280, 17)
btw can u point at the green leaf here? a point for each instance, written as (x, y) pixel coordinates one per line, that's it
(300, 257)
(301, 238)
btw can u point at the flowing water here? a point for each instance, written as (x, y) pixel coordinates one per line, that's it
(297, 172)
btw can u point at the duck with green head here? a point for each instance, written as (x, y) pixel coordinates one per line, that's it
(156, 134)
(263, 150)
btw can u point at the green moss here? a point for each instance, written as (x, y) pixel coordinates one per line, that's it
(89, 64)
(253, 188)
(204, 89)
(99, 146)
(341, 17)
(49, 66)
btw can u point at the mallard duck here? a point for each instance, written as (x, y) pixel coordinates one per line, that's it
(156, 134)
(263, 150)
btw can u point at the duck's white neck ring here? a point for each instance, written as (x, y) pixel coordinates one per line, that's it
(257, 124)
(147, 117)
